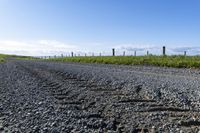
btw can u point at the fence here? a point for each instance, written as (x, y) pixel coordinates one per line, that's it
(112, 53)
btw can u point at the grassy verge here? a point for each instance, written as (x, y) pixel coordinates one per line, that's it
(165, 61)
(25, 58)
(3, 57)
(2, 60)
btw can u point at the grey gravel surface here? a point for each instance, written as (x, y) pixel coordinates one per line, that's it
(39, 96)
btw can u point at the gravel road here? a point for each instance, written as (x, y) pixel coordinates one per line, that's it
(55, 97)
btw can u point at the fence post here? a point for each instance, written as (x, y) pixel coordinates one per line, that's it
(164, 51)
(124, 53)
(135, 53)
(54, 56)
(92, 54)
(72, 54)
(147, 53)
(100, 54)
(62, 55)
(85, 54)
(113, 52)
(185, 53)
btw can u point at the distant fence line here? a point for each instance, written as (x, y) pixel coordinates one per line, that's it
(100, 54)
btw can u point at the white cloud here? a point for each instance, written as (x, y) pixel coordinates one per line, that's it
(36, 48)
(141, 49)
(157, 50)
(53, 47)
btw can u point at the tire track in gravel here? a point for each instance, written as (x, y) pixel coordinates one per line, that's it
(23, 101)
(127, 101)
(70, 99)
(103, 107)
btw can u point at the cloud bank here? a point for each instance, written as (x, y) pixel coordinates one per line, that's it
(157, 50)
(53, 47)
(36, 48)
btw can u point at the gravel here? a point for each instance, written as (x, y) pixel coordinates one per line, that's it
(44, 96)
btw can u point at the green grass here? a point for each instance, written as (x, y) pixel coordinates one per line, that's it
(25, 58)
(2, 60)
(164, 61)
(3, 57)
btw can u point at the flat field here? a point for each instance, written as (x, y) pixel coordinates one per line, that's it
(164, 61)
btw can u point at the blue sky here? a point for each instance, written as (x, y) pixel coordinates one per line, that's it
(48, 27)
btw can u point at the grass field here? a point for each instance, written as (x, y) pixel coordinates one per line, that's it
(4, 56)
(166, 61)
(25, 58)
(2, 60)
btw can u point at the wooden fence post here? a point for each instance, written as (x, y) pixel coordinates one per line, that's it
(72, 54)
(113, 52)
(124, 53)
(184, 53)
(164, 51)
(147, 53)
(135, 53)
